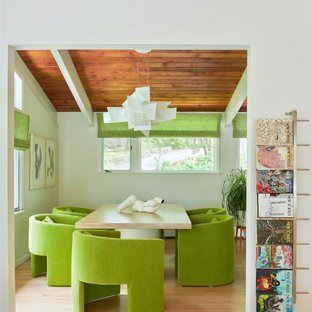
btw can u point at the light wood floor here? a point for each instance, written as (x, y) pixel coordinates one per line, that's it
(32, 294)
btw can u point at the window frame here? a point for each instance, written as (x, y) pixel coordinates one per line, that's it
(135, 162)
(18, 105)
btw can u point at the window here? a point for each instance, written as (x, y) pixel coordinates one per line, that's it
(18, 103)
(17, 182)
(18, 92)
(117, 154)
(161, 154)
(242, 153)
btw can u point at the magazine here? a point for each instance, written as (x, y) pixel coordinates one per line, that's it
(274, 257)
(274, 303)
(275, 282)
(274, 181)
(274, 131)
(274, 232)
(275, 157)
(275, 205)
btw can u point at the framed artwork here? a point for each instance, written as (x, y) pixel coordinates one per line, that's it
(50, 165)
(37, 162)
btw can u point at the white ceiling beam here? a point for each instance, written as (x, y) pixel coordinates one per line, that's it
(74, 83)
(236, 101)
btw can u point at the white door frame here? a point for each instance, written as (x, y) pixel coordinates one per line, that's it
(7, 262)
(7, 257)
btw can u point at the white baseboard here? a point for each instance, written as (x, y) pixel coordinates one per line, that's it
(22, 260)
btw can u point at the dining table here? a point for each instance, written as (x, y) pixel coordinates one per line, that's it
(134, 224)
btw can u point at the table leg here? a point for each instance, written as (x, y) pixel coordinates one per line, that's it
(139, 233)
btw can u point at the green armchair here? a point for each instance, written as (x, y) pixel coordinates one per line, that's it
(73, 211)
(206, 211)
(50, 245)
(102, 261)
(206, 252)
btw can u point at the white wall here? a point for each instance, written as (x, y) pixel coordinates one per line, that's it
(43, 122)
(82, 183)
(277, 32)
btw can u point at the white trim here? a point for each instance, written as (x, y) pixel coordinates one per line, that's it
(131, 46)
(68, 69)
(7, 259)
(155, 172)
(22, 260)
(7, 281)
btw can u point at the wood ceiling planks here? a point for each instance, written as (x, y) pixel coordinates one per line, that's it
(44, 68)
(193, 80)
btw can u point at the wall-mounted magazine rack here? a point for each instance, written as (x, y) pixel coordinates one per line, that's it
(277, 194)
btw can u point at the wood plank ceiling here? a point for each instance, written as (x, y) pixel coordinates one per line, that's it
(193, 80)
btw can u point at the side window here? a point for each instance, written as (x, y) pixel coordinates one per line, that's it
(18, 104)
(242, 153)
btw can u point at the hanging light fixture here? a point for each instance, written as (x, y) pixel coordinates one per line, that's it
(139, 111)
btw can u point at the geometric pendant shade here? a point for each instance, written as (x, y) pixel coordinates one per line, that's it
(140, 112)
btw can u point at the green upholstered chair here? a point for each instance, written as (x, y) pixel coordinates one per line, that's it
(73, 211)
(206, 252)
(206, 211)
(102, 261)
(50, 245)
(197, 216)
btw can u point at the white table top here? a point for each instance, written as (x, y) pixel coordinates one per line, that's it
(107, 217)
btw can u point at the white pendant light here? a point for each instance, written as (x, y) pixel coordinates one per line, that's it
(140, 112)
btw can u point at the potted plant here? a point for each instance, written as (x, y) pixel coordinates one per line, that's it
(234, 195)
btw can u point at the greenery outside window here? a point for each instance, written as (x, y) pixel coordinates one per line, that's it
(161, 154)
(242, 153)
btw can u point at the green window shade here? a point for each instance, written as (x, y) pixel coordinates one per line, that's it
(21, 131)
(240, 126)
(185, 125)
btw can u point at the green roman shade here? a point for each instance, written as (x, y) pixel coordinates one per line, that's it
(240, 126)
(185, 125)
(21, 131)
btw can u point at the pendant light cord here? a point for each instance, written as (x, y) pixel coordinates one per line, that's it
(137, 72)
(148, 72)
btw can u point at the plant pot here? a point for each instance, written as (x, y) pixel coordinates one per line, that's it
(241, 219)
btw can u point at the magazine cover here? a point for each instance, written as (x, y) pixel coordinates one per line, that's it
(274, 131)
(274, 232)
(274, 257)
(275, 205)
(275, 157)
(275, 282)
(274, 181)
(274, 303)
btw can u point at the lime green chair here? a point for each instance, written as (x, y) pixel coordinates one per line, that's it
(206, 211)
(102, 261)
(206, 252)
(198, 216)
(73, 211)
(50, 245)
